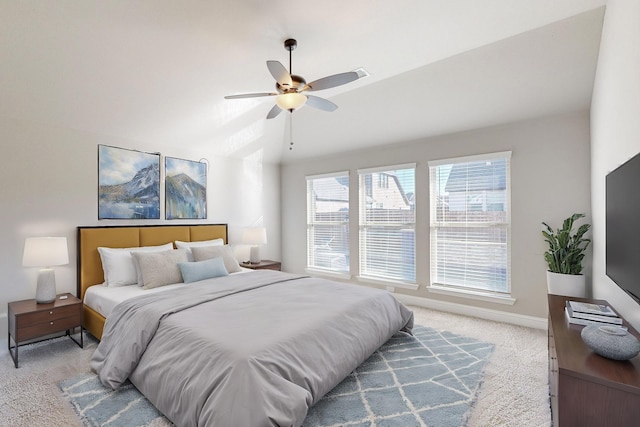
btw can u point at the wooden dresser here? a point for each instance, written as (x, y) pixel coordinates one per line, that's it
(587, 389)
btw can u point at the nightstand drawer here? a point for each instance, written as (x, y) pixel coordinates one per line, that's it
(50, 327)
(274, 266)
(45, 316)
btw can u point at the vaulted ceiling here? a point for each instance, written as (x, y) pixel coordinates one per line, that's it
(155, 71)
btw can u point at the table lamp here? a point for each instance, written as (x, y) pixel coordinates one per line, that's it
(45, 252)
(254, 236)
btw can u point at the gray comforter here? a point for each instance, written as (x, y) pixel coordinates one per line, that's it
(249, 350)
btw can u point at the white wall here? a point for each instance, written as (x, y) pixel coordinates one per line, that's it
(550, 181)
(49, 187)
(615, 131)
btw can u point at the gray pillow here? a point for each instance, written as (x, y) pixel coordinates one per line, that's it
(188, 245)
(225, 252)
(200, 270)
(160, 268)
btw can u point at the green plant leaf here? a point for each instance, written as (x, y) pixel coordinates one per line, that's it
(566, 248)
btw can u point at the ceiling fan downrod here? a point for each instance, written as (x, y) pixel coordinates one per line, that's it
(290, 45)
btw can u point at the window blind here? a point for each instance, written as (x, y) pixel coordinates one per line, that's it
(470, 223)
(328, 222)
(387, 223)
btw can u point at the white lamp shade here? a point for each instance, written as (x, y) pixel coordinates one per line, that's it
(45, 252)
(291, 101)
(254, 236)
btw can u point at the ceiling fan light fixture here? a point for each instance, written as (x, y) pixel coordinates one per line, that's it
(291, 89)
(291, 101)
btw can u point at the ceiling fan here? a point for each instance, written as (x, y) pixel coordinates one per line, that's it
(292, 89)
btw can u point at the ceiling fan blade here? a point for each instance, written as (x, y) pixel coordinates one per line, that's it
(274, 112)
(321, 103)
(332, 81)
(279, 73)
(249, 95)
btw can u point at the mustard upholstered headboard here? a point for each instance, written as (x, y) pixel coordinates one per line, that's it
(90, 238)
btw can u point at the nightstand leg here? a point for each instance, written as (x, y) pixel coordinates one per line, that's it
(81, 343)
(13, 356)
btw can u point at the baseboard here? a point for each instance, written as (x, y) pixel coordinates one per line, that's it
(468, 310)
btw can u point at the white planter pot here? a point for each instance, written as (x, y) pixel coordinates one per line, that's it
(571, 285)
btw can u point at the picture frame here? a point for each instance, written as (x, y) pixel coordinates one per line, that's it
(185, 189)
(128, 184)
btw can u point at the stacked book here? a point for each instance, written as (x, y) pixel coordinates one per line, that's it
(584, 313)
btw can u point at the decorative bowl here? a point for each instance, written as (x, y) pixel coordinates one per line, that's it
(612, 342)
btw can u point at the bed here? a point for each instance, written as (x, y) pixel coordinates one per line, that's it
(251, 349)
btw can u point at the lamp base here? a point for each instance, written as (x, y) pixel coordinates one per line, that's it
(46, 290)
(254, 257)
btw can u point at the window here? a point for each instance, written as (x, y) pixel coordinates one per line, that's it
(470, 223)
(387, 223)
(328, 222)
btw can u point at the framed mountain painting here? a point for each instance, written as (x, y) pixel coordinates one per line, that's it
(185, 189)
(128, 184)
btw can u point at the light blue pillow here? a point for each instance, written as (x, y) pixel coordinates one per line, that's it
(200, 270)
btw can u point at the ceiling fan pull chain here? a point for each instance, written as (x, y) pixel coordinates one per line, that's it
(290, 132)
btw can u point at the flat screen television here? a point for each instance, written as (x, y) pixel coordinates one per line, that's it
(623, 227)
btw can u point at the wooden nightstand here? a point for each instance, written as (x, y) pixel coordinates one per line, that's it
(265, 264)
(29, 320)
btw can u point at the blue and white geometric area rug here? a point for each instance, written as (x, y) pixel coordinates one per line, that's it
(100, 406)
(429, 379)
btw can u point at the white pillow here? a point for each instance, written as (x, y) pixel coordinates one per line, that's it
(208, 252)
(198, 244)
(118, 266)
(160, 268)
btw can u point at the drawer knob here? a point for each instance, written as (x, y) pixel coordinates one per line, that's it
(51, 312)
(51, 323)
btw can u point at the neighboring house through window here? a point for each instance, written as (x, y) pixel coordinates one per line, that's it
(328, 222)
(387, 223)
(471, 223)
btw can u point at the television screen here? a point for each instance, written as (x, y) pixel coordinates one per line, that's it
(623, 226)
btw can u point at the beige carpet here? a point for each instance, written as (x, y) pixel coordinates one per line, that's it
(514, 392)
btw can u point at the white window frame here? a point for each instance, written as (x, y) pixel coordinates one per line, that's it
(364, 275)
(455, 289)
(312, 223)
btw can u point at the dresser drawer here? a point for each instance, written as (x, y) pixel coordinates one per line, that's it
(50, 327)
(46, 316)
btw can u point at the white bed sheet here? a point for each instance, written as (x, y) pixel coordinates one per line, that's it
(103, 298)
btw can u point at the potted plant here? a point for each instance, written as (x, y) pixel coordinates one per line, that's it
(564, 257)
